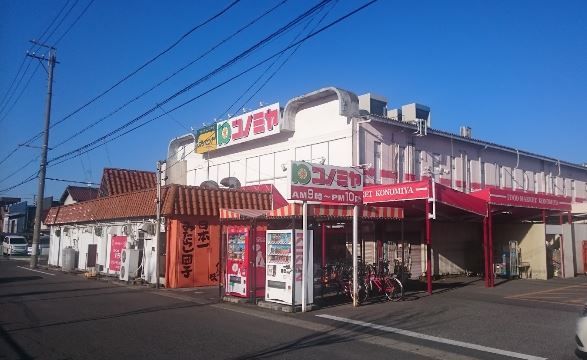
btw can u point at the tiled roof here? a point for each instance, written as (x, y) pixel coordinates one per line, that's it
(177, 200)
(80, 193)
(119, 181)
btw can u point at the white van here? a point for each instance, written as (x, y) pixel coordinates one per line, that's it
(14, 245)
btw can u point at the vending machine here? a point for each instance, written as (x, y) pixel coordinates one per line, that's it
(245, 261)
(281, 245)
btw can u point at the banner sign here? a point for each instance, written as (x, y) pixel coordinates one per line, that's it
(249, 126)
(206, 139)
(116, 245)
(523, 199)
(396, 192)
(325, 183)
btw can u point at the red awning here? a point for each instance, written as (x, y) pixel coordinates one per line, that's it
(418, 190)
(508, 197)
(326, 211)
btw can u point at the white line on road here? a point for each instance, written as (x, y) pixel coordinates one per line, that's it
(433, 338)
(42, 272)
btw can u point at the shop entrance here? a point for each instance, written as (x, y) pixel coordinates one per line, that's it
(553, 256)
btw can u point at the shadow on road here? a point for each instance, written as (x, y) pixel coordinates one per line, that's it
(5, 280)
(5, 337)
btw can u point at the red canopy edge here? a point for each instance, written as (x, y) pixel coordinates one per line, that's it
(316, 210)
(516, 198)
(416, 190)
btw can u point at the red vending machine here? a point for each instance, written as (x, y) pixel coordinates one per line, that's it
(245, 261)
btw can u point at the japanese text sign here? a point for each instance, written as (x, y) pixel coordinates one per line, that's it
(325, 183)
(249, 126)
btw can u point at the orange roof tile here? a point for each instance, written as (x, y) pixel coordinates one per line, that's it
(119, 181)
(177, 200)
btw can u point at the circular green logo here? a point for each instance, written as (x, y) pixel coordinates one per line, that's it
(224, 133)
(301, 174)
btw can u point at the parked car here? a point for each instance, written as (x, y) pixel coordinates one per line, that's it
(581, 334)
(14, 245)
(43, 246)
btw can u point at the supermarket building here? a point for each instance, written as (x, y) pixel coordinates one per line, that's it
(543, 215)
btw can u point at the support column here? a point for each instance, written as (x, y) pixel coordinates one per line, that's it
(485, 252)
(428, 250)
(562, 247)
(323, 245)
(490, 248)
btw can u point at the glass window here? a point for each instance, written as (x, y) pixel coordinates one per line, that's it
(377, 161)
(18, 241)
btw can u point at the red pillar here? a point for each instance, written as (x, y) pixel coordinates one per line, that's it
(485, 252)
(323, 245)
(562, 248)
(490, 248)
(428, 250)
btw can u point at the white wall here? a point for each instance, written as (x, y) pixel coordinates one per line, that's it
(79, 236)
(579, 235)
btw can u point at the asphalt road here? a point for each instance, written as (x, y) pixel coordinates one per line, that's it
(50, 315)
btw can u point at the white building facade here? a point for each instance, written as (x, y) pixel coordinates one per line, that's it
(337, 127)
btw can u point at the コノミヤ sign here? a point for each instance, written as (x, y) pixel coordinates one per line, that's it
(325, 183)
(250, 126)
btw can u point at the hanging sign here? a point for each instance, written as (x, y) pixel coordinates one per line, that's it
(325, 183)
(249, 126)
(396, 192)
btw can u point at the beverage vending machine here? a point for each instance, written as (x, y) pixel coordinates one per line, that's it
(281, 245)
(245, 261)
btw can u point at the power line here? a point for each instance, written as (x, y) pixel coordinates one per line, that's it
(72, 181)
(16, 88)
(102, 141)
(13, 81)
(307, 37)
(46, 40)
(128, 76)
(112, 113)
(20, 94)
(74, 22)
(228, 110)
(40, 38)
(187, 88)
(134, 72)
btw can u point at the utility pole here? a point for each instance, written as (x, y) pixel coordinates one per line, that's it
(52, 60)
(158, 230)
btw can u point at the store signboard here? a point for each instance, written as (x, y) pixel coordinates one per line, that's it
(116, 245)
(206, 139)
(509, 197)
(325, 183)
(396, 192)
(249, 126)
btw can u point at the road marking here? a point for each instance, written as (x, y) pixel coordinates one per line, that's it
(543, 291)
(433, 338)
(42, 272)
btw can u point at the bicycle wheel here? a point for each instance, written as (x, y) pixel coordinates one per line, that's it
(361, 290)
(394, 289)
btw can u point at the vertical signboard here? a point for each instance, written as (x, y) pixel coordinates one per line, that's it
(325, 183)
(116, 245)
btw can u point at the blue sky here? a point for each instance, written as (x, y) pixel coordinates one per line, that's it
(515, 71)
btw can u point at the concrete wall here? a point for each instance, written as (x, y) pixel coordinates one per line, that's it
(579, 235)
(457, 249)
(568, 249)
(531, 240)
(79, 236)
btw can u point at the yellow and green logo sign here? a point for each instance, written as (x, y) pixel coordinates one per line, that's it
(300, 173)
(206, 139)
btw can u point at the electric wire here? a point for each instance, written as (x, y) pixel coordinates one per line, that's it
(104, 140)
(72, 181)
(229, 109)
(52, 21)
(187, 88)
(21, 93)
(128, 76)
(112, 113)
(309, 36)
(16, 88)
(12, 82)
(46, 40)
(74, 22)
